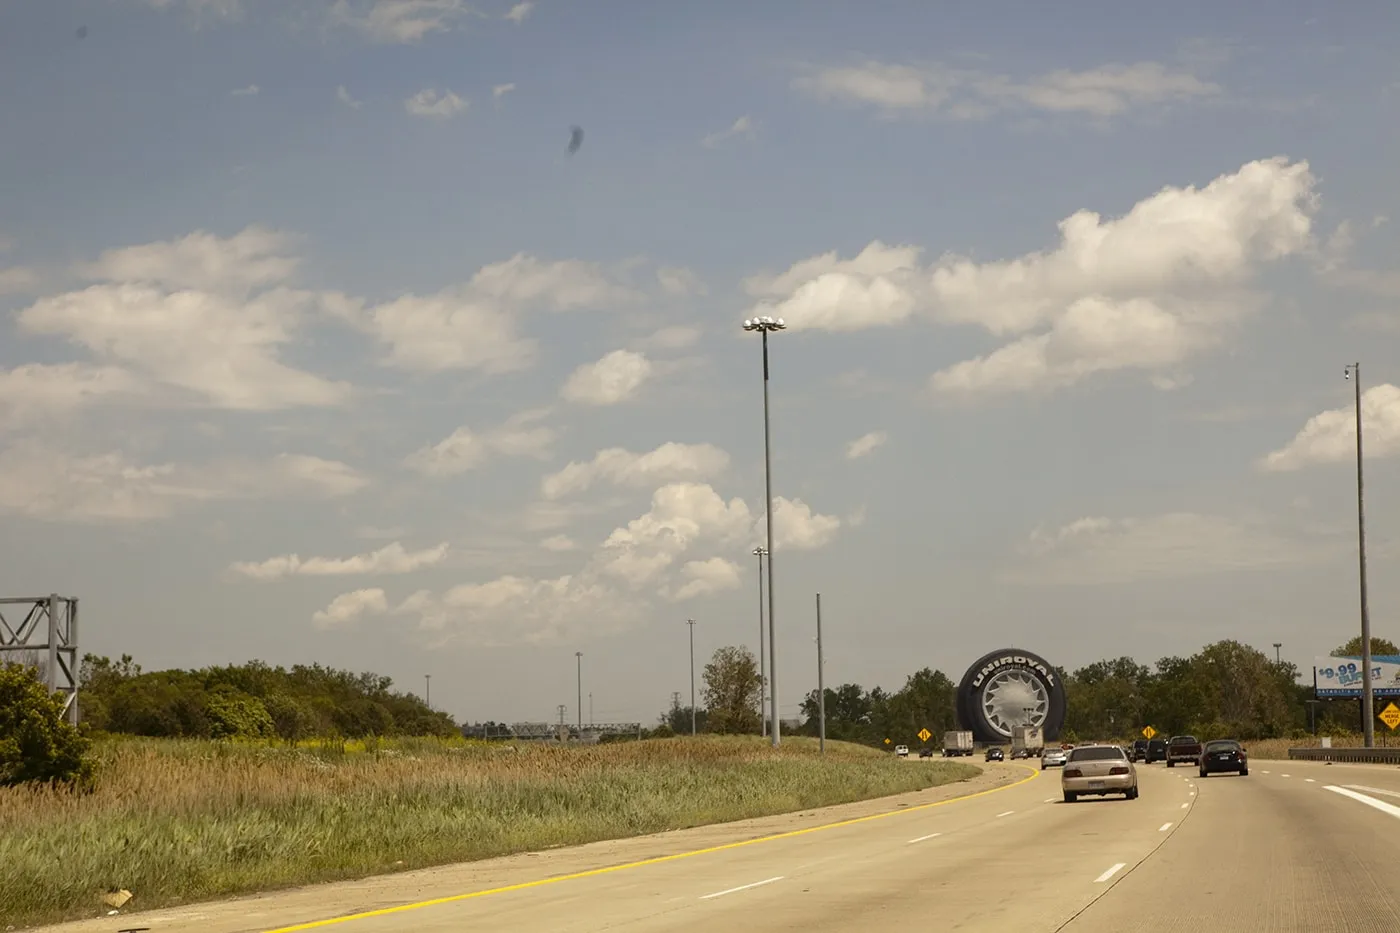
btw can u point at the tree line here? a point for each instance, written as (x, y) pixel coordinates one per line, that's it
(1225, 689)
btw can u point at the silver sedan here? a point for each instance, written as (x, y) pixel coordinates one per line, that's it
(1098, 770)
(1052, 758)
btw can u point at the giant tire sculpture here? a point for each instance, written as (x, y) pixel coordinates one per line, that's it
(1001, 686)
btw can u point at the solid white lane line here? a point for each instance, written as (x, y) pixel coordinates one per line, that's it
(1007, 813)
(1164, 827)
(922, 838)
(1372, 790)
(1110, 873)
(1380, 805)
(742, 887)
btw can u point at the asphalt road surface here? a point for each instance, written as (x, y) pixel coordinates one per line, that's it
(1294, 846)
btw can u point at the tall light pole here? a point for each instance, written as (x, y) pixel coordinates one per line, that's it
(1368, 709)
(578, 656)
(765, 326)
(428, 690)
(1277, 659)
(691, 623)
(760, 552)
(821, 683)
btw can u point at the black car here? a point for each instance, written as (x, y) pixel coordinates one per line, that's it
(1224, 755)
(925, 753)
(995, 754)
(1140, 750)
(1156, 751)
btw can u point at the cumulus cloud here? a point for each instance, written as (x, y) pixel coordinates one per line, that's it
(42, 483)
(740, 128)
(1330, 437)
(36, 392)
(649, 557)
(390, 559)
(613, 379)
(399, 21)
(347, 607)
(669, 462)
(1098, 550)
(434, 104)
(517, 13)
(558, 543)
(203, 314)
(463, 450)
(961, 93)
(342, 95)
(1146, 291)
(866, 444)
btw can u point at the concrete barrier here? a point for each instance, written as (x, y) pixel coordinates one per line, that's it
(1389, 756)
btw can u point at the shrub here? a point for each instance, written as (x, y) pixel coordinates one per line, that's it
(36, 744)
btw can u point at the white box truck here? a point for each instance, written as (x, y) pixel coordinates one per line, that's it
(1027, 742)
(957, 743)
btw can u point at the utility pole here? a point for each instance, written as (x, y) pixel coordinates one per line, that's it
(691, 623)
(1368, 708)
(578, 656)
(760, 552)
(562, 727)
(821, 683)
(1277, 646)
(590, 709)
(428, 690)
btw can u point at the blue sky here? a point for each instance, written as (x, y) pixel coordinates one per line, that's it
(320, 279)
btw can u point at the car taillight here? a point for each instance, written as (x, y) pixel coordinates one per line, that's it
(1118, 769)
(1073, 772)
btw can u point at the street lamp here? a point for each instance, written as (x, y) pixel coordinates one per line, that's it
(1277, 658)
(691, 623)
(428, 690)
(1368, 709)
(760, 552)
(764, 326)
(578, 656)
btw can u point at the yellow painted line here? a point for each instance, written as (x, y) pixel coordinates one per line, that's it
(403, 908)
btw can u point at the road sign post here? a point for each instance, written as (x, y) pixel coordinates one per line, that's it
(1391, 716)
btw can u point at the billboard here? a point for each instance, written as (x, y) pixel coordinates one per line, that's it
(1341, 677)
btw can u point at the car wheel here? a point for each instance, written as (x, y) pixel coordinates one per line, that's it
(1244, 772)
(1132, 794)
(1203, 773)
(1071, 797)
(1170, 763)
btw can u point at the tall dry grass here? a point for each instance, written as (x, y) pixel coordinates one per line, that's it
(1278, 748)
(178, 821)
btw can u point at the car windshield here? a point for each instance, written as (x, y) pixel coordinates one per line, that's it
(1222, 746)
(1104, 753)
(1184, 740)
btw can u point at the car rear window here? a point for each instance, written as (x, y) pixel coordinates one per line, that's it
(1096, 754)
(1184, 740)
(1222, 746)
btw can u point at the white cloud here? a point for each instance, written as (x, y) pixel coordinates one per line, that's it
(501, 90)
(34, 392)
(669, 462)
(558, 543)
(563, 285)
(17, 279)
(668, 338)
(249, 91)
(435, 104)
(342, 95)
(613, 379)
(1149, 290)
(797, 526)
(390, 559)
(400, 21)
(1096, 550)
(1106, 91)
(742, 127)
(678, 280)
(255, 257)
(521, 10)
(42, 483)
(1330, 437)
(866, 444)
(347, 607)
(706, 577)
(463, 450)
(203, 10)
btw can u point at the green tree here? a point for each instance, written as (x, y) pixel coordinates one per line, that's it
(1378, 646)
(37, 745)
(732, 691)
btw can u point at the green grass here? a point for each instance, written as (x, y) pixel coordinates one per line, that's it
(181, 821)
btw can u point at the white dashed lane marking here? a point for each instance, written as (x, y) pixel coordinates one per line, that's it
(1164, 827)
(1110, 873)
(922, 838)
(742, 887)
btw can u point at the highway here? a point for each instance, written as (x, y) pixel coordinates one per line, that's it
(1295, 846)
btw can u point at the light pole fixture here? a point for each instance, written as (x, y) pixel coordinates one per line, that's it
(1277, 659)
(1368, 708)
(578, 656)
(760, 552)
(764, 326)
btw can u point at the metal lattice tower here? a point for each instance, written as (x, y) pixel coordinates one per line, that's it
(22, 619)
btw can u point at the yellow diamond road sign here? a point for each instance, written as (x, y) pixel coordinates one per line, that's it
(1391, 716)
(925, 735)
(1149, 732)
(887, 741)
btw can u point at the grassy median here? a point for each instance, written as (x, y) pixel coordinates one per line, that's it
(181, 821)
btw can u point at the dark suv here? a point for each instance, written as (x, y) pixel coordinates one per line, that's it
(1140, 750)
(1156, 751)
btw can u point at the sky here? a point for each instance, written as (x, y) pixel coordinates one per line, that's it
(318, 344)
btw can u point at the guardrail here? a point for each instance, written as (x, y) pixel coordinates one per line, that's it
(1387, 756)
